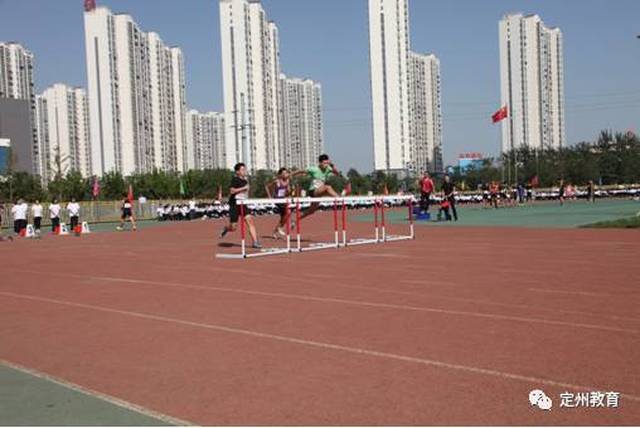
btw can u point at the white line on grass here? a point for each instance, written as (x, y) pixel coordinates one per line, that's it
(99, 395)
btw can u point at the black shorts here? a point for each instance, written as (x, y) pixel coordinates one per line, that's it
(126, 213)
(37, 221)
(234, 212)
(55, 223)
(282, 209)
(19, 225)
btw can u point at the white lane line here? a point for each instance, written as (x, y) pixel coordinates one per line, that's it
(99, 395)
(324, 345)
(358, 303)
(579, 293)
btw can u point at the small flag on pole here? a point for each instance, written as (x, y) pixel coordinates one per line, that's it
(347, 189)
(535, 182)
(386, 189)
(130, 194)
(219, 193)
(501, 114)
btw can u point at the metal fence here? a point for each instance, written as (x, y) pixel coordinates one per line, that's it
(93, 211)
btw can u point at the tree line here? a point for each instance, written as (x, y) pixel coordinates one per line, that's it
(612, 159)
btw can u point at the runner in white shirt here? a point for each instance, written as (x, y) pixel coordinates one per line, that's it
(36, 211)
(54, 215)
(127, 214)
(73, 208)
(19, 214)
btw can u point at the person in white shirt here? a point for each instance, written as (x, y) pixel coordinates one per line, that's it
(19, 214)
(73, 208)
(54, 215)
(192, 209)
(127, 214)
(36, 211)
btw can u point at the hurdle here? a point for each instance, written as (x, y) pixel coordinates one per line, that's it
(340, 228)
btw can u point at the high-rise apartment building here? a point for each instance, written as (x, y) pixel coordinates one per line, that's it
(405, 94)
(136, 96)
(532, 83)
(205, 134)
(63, 128)
(426, 112)
(389, 55)
(301, 120)
(250, 71)
(17, 82)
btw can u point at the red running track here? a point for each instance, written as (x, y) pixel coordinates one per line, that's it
(455, 327)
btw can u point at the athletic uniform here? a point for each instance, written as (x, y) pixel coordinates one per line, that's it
(126, 210)
(19, 213)
(282, 190)
(74, 213)
(234, 209)
(54, 214)
(318, 178)
(36, 210)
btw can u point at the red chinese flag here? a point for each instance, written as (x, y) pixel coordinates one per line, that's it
(130, 194)
(535, 181)
(500, 115)
(347, 189)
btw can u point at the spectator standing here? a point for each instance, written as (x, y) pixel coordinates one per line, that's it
(36, 212)
(19, 214)
(73, 208)
(426, 188)
(54, 215)
(448, 193)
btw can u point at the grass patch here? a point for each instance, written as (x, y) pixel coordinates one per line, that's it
(622, 223)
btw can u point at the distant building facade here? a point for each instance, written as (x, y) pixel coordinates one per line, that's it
(205, 140)
(17, 82)
(64, 131)
(136, 96)
(531, 83)
(301, 120)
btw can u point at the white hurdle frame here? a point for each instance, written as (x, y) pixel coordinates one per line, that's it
(340, 239)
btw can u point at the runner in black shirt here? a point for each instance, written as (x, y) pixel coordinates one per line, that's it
(240, 190)
(448, 189)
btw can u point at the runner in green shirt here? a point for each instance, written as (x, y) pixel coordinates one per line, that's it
(318, 188)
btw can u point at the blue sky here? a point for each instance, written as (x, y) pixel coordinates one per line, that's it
(327, 40)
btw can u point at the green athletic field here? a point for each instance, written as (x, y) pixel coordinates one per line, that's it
(26, 399)
(542, 214)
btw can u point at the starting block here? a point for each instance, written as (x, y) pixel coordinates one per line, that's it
(85, 228)
(30, 232)
(63, 229)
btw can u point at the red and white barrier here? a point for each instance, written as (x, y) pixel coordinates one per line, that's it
(340, 228)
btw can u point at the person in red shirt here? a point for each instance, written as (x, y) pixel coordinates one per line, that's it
(426, 188)
(493, 191)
